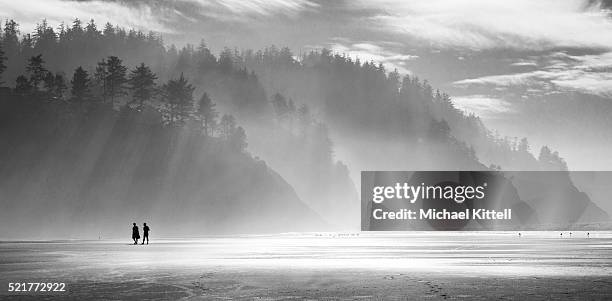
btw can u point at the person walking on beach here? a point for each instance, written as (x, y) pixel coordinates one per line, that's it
(145, 233)
(135, 233)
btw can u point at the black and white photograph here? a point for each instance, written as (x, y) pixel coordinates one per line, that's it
(305, 150)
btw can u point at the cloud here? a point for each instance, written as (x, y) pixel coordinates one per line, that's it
(594, 83)
(164, 17)
(587, 73)
(507, 80)
(30, 12)
(524, 63)
(485, 24)
(252, 8)
(367, 51)
(483, 106)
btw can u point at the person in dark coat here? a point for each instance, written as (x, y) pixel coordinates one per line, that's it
(135, 233)
(145, 232)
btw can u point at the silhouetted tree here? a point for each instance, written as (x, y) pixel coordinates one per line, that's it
(280, 105)
(23, 86)
(142, 84)
(108, 30)
(55, 85)
(208, 115)
(205, 60)
(80, 85)
(76, 31)
(49, 82)
(26, 45)
(36, 70)
(101, 76)
(2, 64)
(60, 85)
(226, 61)
(11, 37)
(227, 126)
(237, 139)
(116, 77)
(91, 31)
(44, 36)
(178, 94)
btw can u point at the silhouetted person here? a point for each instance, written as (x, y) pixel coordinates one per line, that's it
(145, 233)
(135, 233)
(588, 234)
(519, 234)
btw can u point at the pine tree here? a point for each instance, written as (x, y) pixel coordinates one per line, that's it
(280, 105)
(49, 82)
(116, 77)
(60, 85)
(44, 36)
(237, 139)
(80, 85)
(2, 64)
(142, 84)
(208, 114)
(76, 31)
(227, 126)
(23, 86)
(11, 37)
(101, 76)
(178, 94)
(36, 71)
(226, 61)
(91, 30)
(55, 85)
(108, 31)
(204, 58)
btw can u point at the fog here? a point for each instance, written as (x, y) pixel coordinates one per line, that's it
(220, 131)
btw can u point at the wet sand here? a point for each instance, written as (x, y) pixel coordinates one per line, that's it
(399, 266)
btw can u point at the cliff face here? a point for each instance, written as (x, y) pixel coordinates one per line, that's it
(74, 172)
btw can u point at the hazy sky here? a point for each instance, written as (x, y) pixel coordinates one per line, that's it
(488, 54)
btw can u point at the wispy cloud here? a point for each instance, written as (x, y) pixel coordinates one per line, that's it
(496, 24)
(252, 8)
(586, 73)
(507, 80)
(483, 106)
(29, 12)
(164, 17)
(367, 51)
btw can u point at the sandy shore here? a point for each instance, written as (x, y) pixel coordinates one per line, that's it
(367, 266)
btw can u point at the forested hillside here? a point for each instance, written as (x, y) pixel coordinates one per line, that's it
(112, 120)
(86, 171)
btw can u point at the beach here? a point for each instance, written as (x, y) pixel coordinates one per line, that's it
(303, 266)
